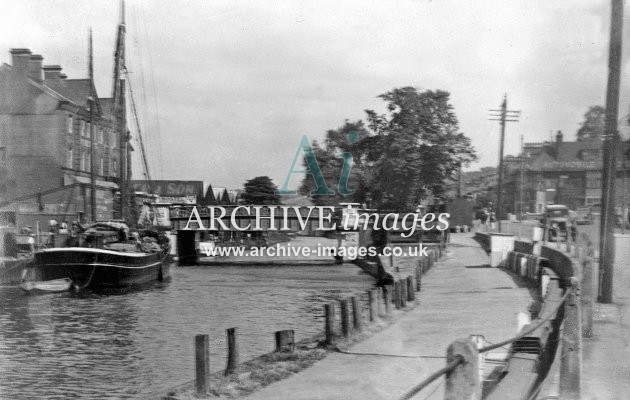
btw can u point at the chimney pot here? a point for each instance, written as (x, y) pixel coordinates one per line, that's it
(20, 60)
(35, 68)
(52, 72)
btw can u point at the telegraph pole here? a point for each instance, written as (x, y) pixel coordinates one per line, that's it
(503, 115)
(611, 142)
(520, 192)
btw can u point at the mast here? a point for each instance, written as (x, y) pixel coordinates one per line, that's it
(91, 104)
(119, 114)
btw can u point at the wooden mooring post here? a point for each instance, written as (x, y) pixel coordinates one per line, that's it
(419, 277)
(202, 365)
(345, 317)
(403, 292)
(285, 341)
(372, 299)
(397, 302)
(329, 323)
(356, 314)
(232, 356)
(463, 381)
(387, 298)
(411, 294)
(380, 303)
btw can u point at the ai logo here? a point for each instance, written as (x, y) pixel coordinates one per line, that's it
(316, 172)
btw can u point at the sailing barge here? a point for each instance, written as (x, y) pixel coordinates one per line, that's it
(104, 256)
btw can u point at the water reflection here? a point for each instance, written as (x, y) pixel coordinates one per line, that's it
(94, 346)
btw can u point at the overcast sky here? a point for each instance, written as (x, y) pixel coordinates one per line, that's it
(232, 85)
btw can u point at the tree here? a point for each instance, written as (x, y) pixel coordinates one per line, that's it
(260, 190)
(330, 163)
(399, 158)
(594, 123)
(421, 147)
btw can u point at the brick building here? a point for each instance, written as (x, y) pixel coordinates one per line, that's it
(559, 172)
(45, 144)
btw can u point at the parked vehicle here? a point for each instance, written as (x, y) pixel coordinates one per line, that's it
(583, 216)
(556, 222)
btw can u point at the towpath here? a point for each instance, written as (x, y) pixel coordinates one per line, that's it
(460, 296)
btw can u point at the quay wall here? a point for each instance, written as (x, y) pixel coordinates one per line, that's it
(557, 367)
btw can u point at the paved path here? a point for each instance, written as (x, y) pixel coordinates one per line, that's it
(606, 356)
(460, 296)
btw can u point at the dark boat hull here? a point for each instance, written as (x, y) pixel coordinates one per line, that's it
(97, 268)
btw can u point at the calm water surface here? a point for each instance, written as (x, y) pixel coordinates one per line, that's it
(89, 346)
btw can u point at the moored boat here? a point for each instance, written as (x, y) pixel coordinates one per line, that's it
(102, 261)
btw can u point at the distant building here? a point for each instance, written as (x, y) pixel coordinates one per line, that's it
(45, 143)
(559, 172)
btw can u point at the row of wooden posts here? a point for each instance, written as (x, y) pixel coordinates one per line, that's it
(380, 301)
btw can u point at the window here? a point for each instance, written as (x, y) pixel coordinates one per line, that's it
(101, 168)
(100, 135)
(3, 154)
(114, 167)
(69, 158)
(69, 122)
(82, 161)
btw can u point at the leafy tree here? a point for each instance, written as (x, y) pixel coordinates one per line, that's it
(399, 158)
(421, 147)
(261, 191)
(594, 123)
(331, 164)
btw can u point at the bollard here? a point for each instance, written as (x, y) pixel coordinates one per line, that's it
(345, 317)
(430, 262)
(387, 298)
(396, 294)
(285, 341)
(372, 296)
(571, 345)
(202, 365)
(329, 320)
(403, 292)
(479, 341)
(411, 295)
(588, 297)
(356, 313)
(463, 382)
(419, 277)
(232, 358)
(379, 301)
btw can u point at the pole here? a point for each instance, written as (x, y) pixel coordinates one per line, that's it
(606, 242)
(500, 182)
(91, 104)
(520, 217)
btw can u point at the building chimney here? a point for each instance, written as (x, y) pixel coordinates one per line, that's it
(35, 68)
(21, 59)
(52, 72)
(559, 136)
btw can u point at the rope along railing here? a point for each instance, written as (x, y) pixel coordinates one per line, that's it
(447, 369)
(530, 329)
(462, 359)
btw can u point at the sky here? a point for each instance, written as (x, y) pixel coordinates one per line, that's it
(226, 89)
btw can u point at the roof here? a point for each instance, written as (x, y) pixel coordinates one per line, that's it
(570, 151)
(76, 90)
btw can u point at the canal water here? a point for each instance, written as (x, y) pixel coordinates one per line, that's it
(90, 346)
